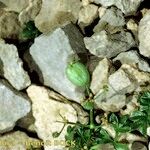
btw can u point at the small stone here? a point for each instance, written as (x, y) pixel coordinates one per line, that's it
(9, 25)
(18, 141)
(14, 106)
(15, 5)
(30, 12)
(112, 17)
(47, 112)
(11, 67)
(128, 7)
(132, 58)
(100, 75)
(58, 13)
(59, 49)
(87, 15)
(103, 44)
(144, 35)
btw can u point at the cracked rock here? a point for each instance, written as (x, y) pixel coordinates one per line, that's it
(14, 106)
(11, 67)
(54, 14)
(59, 48)
(103, 44)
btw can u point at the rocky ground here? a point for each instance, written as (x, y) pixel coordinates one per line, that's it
(39, 38)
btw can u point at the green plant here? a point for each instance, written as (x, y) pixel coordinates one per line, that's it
(30, 31)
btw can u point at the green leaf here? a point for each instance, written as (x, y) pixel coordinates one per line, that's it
(138, 116)
(88, 105)
(119, 146)
(113, 119)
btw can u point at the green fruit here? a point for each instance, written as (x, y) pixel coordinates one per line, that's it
(78, 74)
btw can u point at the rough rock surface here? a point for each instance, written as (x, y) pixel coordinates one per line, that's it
(11, 67)
(31, 11)
(87, 15)
(138, 146)
(47, 112)
(14, 106)
(100, 75)
(113, 17)
(18, 141)
(54, 14)
(9, 25)
(133, 58)
(59, 49)
(15, 5)
(144, 35)
(128, 7)
(103, 44)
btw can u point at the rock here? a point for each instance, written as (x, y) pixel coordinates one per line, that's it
(15, 5)
(113, 17)
(139, 146)
(11, 67)
(31, 11)
(148, 131)
(18, 141)
(59, 48)
(100, 75)
(144, 35)
(128, 7)
(132, 58)
(55, 14)
(14, 106)
(102, 11)
(87, 15)
(107, 146)
(103, 44)
(85, 2)
(9, 25)
(46, 115)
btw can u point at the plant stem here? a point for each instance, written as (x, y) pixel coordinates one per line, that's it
(92, 125)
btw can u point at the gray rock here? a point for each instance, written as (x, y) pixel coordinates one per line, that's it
(144, 35)
(11, 67)
(112, 17)
(128, 7)
(138, 146)
(13, 107)
(133, 58)
(54, 14)
(104, 44)
(52, 53)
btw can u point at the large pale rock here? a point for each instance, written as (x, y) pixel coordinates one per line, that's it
(9, 25)
(103, 44)
(13, 107)
(58, 48)
(54, 14)
(47, 112)
(31, 11)
(15, 5)
(132, 58)
(11, 66)
(18, 141)
(87, 15)
(139, 146)
(144, 35)
(112, 18)
(100, 75)
(128, 7)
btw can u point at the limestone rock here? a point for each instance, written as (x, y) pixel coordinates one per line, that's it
(85, 2)
(102, 11)
(11, 67)
(144, 35)
(14, 106)
(148, 131)
(139, 146)
(54, 14)
(128, 7)
(103, 44)
(100, 75)
(9, 25)
(133, 58)
(31, 11)
(18, 141)
(47, 112)
(113, 17)
(87, 15)
(15, 5)
(58, 49)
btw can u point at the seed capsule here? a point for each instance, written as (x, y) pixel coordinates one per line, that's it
(78, 74)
